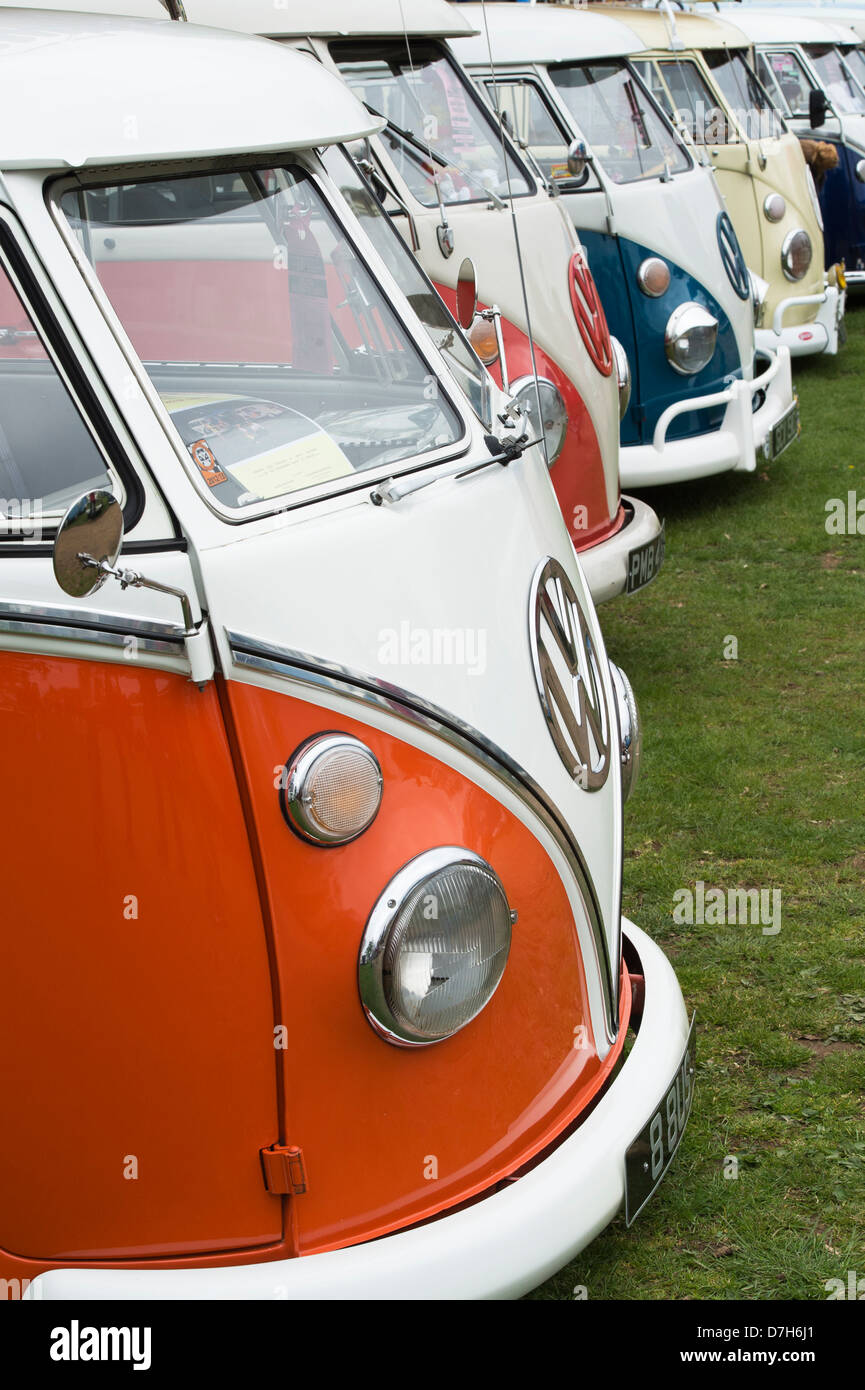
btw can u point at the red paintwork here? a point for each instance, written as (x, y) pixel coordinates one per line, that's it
(578, 474)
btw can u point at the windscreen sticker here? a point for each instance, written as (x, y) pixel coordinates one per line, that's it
(202, 456)
(315, 459)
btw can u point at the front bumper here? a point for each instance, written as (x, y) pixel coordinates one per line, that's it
(820, 334)
(734, 445)
(499, 1247)
(605, 565)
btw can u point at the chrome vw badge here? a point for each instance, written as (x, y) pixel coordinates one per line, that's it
(568, 674)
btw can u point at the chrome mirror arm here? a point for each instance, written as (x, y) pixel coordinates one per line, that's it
(131, 579)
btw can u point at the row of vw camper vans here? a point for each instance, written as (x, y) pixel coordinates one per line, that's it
(317, 381)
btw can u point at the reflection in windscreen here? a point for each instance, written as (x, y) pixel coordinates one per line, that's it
(438, 134)
(838, 83)
(744, 94)
(627, 135)
(786, 80)
(277, 355)
(684, 93)
(460, 357)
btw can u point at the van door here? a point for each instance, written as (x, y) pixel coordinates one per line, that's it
(136, 1047)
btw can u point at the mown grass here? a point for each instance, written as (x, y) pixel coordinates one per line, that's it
(753, 777)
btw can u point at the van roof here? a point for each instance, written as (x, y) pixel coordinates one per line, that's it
(791, 26)
(544, 34)
(82, 90)
(694, 30)
(329, 18)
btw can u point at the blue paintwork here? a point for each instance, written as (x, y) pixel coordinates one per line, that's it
(842, 201)
(639, 322)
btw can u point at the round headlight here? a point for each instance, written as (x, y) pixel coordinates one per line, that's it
(689, 338)
(774, 206)
(796, 254)
(623, 375)
(554, 413)
(630, 730)
(860, 170)
(330, 790)
(653, 277)
(435, 947)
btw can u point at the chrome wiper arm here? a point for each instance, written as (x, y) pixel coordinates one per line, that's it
(438, 159)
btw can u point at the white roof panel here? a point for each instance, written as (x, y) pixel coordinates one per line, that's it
(95, 89)
(544, 34)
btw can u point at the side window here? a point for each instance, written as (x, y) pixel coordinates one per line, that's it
(528, 118)
(47, 455)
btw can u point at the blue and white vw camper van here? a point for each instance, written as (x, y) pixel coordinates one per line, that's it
(661, 245)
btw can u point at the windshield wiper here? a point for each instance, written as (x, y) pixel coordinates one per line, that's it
(430, 153)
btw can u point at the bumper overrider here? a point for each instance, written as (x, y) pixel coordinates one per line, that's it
(498, 1247)
(629, 559)
(743, 432)
(820, 335)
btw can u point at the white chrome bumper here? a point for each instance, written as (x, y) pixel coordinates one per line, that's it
(499, 1247)
(605, 565)
(734, 445)
(806, 339)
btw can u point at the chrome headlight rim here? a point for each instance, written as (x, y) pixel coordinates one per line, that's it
(294, 787)
(623, 375)
(774, 207)
(786, 252)
(384, 920)
(759, 292)
(859, 170)
(630, 730)
(523, 390)
(645, 271)
(686, 318)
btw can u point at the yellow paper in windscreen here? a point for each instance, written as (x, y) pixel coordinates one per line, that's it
(315, 459)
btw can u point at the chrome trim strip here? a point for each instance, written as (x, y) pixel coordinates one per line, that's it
(76, 624)
(252, 654)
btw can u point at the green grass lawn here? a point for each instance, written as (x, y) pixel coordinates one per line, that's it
(753, 777)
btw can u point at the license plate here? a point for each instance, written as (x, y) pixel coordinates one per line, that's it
(785, 433)
(645, 561)
(652, 1152)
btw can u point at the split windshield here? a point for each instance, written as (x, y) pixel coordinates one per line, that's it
(837, 80)
(280, 360)
(627, 135)
(438, 135)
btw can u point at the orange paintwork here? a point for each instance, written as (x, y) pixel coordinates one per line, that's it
(578, 473)
(375, 1120)
(120, 1035)
(154, 1036)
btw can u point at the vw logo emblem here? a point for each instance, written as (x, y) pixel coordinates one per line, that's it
(589, 314)
(568, 675)
(731, 255)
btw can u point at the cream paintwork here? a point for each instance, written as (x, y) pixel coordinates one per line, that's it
(747, 171)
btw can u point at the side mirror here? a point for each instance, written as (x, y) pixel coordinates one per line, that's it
(467, 293)
(88, 543)
(818, 107)
(579, 159)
